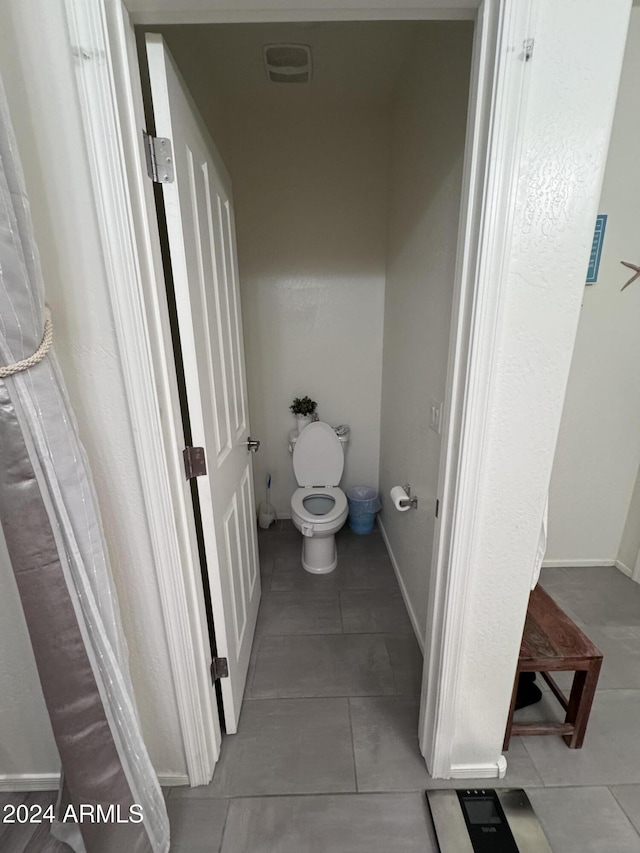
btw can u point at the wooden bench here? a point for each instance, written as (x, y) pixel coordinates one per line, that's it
(553, 643)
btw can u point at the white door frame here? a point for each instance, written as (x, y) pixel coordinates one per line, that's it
(112, 114)
(497, 106)
(103, 48)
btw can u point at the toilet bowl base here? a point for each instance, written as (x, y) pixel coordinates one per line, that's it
(319, 555)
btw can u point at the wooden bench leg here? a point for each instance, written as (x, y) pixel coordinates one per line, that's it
(512, 708)
(580, 702)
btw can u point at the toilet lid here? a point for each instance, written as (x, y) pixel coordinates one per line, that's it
(318, 459)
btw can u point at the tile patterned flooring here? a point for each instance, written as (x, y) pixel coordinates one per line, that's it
(326, 758)
(29, 837)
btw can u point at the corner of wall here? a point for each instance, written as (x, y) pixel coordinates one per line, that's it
(428, 139)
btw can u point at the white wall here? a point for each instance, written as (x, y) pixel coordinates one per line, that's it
(42, 99)
(310, 194)
(427, 151)
(598, 451)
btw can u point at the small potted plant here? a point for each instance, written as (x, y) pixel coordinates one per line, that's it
(304, 408)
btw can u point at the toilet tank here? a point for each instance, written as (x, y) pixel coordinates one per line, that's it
(342, 432)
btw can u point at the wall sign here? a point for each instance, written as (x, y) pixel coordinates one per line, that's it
(596, 248)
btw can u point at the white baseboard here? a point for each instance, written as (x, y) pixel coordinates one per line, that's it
(624, 568)
(495, 770)
(585, 564)
(173, 780)
(29, 781)
(26, 782)
(417, 629)
(576, 564)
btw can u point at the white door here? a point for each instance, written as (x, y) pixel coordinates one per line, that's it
(201, 233)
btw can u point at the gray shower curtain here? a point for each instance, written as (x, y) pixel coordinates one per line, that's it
(52, 526)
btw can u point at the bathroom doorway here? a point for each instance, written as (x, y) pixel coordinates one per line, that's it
(346, 193)
(494, 137)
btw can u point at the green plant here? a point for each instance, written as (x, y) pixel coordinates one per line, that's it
(303, 406)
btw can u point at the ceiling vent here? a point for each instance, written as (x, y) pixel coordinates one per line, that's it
(288, 63)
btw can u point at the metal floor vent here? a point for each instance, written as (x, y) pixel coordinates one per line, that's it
(288, 63)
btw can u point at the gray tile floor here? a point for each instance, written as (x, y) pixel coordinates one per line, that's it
(28, 837)
(326, 758)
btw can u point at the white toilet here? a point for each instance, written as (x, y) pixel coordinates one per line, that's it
(319, 507)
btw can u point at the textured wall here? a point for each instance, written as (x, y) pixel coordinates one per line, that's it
(598, 452)
(427, 150)
(42, 98)
(574, 77)
(310, 193)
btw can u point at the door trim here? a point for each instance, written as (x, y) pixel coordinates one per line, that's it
(497, 104)
(99, 41)
(249, 12)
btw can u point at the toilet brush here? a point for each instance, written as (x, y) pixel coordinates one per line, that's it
(266, 514)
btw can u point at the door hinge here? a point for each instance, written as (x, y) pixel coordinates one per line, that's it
(219, 669)
(195, 463)
(159, 156)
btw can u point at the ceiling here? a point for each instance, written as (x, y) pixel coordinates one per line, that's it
(351, 60)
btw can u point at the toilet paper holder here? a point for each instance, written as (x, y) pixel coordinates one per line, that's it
(410, 501)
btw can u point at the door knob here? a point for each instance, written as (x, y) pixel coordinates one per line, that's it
(252, 444)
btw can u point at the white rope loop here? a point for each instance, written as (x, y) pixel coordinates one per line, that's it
(39, 354)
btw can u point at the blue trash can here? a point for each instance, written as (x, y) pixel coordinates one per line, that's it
(364, 503)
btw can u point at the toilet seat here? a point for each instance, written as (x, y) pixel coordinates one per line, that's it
(337, 511)
(318, 457)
